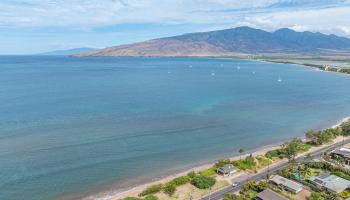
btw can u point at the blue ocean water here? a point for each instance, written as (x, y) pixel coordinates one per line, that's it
(72, 126)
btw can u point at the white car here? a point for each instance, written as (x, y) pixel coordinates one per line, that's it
(235, 184)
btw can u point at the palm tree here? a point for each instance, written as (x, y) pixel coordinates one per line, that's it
(241, 151)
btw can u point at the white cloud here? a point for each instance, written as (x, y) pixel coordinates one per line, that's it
(42, 25)
(92, 13)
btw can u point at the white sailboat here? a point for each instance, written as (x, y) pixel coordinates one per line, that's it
(279, 79)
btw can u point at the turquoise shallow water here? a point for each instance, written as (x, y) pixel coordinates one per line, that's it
(70, 126)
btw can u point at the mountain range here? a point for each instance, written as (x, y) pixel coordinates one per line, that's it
(68, 51)
(230, 42)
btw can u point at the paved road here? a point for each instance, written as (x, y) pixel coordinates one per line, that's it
(261, 175)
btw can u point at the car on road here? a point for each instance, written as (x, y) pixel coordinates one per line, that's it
(235, 184)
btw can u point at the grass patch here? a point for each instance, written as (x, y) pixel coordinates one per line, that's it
(313, 172)
(251, 194)
(264, 161)
(247, 163)
(304, 148)
(345, 194)
(208, 172)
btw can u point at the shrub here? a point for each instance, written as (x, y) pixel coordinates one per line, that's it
(131, 198)
(221, 163)
(180, 180)
(169, 189)
(228, 196)
(322, 137)
(148, 197)
(151, 197)
(203, 182)
(263, 161)
(151, 190)
(345, 128)
(316, 196)
(277, 153)
(191, 174)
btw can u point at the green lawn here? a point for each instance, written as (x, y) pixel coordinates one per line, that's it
(247, 163)
(208, 172)
(263, 161)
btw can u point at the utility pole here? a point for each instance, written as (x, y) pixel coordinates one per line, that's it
(209, 192)
(268, 172)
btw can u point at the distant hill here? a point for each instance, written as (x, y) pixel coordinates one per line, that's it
(68, 51)
(228, 42)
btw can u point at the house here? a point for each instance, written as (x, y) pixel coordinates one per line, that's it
(227, 170)
(286, 184)
(269, 195)
(330, 182)
(343, 153)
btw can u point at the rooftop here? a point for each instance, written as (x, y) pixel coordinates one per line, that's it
(331, 182)
(344, 152)
(270, 195)
(287, 183)
(228, 168)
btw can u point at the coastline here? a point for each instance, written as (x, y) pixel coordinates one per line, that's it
(317, 67)
(118, 194)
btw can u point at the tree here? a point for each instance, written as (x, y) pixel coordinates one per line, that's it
(311, 136)
(221, 163)
(304, 171)
(316, 196)
(291, 148)
(191, 174)
(241, 151)
(345, 128)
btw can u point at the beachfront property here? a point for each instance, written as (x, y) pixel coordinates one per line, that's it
(343, 153)
(227, 170)
(330, 182)
(286, 184)
(269, 195)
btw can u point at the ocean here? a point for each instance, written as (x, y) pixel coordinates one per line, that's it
(70, 127)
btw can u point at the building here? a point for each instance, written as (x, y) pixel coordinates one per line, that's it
(269, 195)
(331, 182)
(286, 184)
(343, 153)
(227, 170)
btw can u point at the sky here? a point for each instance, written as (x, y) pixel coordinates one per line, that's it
(34, 26)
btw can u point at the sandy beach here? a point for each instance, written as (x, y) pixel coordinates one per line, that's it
(134, 191)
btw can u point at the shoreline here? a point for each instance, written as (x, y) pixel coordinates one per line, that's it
(117, 194)
(317, 67)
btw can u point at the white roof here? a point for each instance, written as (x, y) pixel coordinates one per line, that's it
(331, 182)
(279, 180)
(345, 149)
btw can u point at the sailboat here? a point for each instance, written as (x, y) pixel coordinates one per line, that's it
(279, 79)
